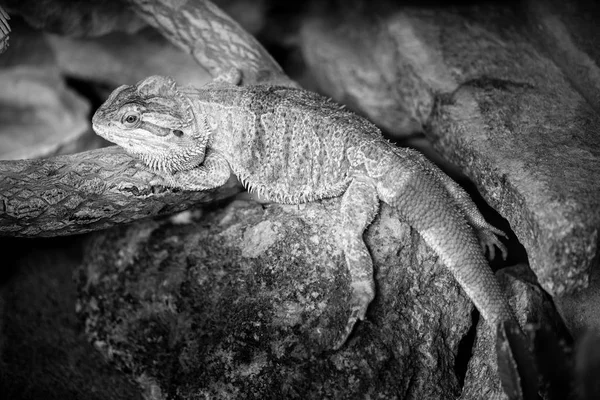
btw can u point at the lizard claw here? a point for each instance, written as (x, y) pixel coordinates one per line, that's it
(488, 237)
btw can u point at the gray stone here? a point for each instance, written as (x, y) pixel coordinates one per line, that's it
(534, 310)
(568, 32)
(43, 351)
(581, 310)
(246, 302)
(114, 59)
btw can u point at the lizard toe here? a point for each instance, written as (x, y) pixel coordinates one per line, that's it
(489, 241)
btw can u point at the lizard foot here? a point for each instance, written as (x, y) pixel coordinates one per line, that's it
(488, 238)
(231, 76)
(362, 295)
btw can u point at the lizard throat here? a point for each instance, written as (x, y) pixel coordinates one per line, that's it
(181, 160)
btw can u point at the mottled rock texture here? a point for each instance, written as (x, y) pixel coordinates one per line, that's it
(536, 312)
(244, 302)
(569, 34)
(114, 59)
(43, 351)
(37, 101)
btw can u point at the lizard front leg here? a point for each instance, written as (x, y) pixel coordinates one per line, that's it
(213, 172)
(359, 206)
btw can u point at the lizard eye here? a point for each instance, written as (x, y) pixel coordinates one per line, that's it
(131, 118)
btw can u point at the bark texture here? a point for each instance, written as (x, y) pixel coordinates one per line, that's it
(212, 37)
(84, 192)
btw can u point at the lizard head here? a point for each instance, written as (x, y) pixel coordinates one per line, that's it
(153, 121)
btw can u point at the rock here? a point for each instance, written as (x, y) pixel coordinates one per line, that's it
(535, 311)
(114, 59)
(89, 18)
(355, 60)
(99, 17)
(40, 115)
(504, 113)
(569, 34)
(246, 302)
(527, 138)
(580, 310)
(43, 352)
(250, 14)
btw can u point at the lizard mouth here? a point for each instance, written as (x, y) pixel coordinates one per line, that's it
(102, 131)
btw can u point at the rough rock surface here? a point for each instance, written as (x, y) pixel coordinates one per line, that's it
(568, 32)
(246, 302)
(115, 58)
(79, 18)
(507, 116)
(43, 351)
(533, 308)
(580, 310)
(520, 129)
(39, 115)
(359, 62)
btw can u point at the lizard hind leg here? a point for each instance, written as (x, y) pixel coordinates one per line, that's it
(359, 207)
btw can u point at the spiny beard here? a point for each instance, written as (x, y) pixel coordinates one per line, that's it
(154, 162)
(169, 162)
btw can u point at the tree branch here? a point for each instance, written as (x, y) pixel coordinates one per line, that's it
(86, 191)
(215, 40)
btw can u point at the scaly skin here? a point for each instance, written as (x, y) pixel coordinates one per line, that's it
(4, 30)
(293, 146)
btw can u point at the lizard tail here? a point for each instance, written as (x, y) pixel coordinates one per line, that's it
(427, 206)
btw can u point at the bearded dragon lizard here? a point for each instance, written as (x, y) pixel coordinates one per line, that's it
(292, 146)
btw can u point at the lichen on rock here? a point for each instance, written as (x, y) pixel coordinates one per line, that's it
(247, 302)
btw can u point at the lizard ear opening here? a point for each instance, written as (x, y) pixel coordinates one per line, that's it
(156, 85)
(177, 132)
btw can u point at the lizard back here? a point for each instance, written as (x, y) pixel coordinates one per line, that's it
(289, 145)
